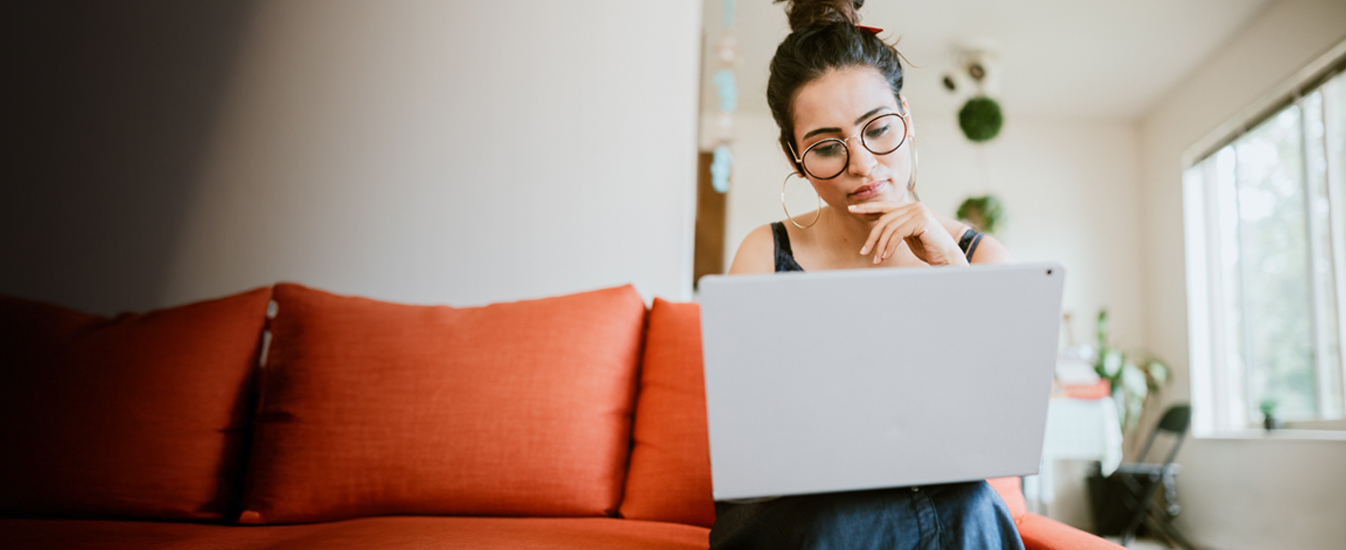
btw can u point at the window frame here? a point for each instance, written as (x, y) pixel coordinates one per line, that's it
(1219, 395)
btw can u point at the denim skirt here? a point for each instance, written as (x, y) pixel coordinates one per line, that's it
(952, 516)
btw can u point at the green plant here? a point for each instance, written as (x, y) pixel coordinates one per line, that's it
(1133, 378)
(1268, 407)
(984, 213)
(980, 119)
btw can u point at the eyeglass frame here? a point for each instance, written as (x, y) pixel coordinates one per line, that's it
(906, 132)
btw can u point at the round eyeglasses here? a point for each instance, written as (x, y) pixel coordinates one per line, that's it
(828, 158)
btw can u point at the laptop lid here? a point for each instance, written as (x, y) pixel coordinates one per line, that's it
(863, 379)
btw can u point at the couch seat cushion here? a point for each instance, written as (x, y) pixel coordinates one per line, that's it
(385, 533)
(374, 408)
(138, 416)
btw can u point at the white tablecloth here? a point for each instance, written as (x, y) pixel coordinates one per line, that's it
(1077, 429)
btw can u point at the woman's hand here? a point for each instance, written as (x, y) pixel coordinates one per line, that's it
(913, 223)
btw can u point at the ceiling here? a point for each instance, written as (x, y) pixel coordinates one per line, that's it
(1067, 59)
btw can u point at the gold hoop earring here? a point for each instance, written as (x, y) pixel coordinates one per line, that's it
(915, 161)
(818, 212)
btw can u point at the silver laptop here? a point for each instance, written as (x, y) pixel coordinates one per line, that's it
(873, 378)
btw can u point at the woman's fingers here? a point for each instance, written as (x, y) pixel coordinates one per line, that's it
(885, 232)
(892, 227)
(874, 235)
(889, 211)
(874, 241)
(895, 242)
(875, 207)
(905, 229)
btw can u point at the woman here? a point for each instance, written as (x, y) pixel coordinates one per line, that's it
(835, 92)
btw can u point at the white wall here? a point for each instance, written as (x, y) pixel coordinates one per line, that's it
(1236, 494)
(424, 151)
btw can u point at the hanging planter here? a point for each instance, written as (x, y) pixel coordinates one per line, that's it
(980, 119)
(983, 212)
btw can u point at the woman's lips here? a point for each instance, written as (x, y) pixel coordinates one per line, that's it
(868, 190)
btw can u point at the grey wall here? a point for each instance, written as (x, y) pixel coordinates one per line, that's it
(108, 112)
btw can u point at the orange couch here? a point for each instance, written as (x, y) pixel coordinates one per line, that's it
(288, 417)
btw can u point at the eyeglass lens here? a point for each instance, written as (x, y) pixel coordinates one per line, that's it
(828, 158)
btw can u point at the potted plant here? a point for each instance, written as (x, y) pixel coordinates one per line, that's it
(1269, 420)
(980, 119)
(1134, 378)
(984, 213)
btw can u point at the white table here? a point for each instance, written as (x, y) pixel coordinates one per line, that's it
(1077, 429)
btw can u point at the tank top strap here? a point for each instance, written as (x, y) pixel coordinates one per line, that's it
(785, 257)
(968, 244)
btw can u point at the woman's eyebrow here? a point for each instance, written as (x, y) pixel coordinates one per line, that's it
(862, 118)
(866, 116)
(821, 131)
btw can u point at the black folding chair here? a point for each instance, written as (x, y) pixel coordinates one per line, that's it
(1142, 481)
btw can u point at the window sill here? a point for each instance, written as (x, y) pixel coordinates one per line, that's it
(1281, 434)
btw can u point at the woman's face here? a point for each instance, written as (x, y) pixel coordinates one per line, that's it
(838, 105)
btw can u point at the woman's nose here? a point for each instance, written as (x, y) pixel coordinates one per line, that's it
(862, 161)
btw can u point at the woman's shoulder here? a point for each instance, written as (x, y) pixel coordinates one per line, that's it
(991, 251)
(757, 252)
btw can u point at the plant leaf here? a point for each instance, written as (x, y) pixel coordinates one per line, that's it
(1159, 372)
(1112, 363)
(1101, 329)
(1134, 381)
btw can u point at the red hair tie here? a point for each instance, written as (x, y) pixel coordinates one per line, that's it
(870, 30)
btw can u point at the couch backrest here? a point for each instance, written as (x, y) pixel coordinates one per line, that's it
(366, 408)
(141, 416)
(374, 408)
(669, 478)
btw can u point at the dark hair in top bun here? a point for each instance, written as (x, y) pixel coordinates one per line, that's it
(823, 37)
(804, 15)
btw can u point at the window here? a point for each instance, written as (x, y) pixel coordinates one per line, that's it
(1266, 266)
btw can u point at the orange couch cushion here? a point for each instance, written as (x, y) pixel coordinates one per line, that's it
(387, 533)
(669, 478)
(139, 416)
(374, 408)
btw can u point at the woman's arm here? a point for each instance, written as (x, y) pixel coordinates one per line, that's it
(756, 254)
(990, 251)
